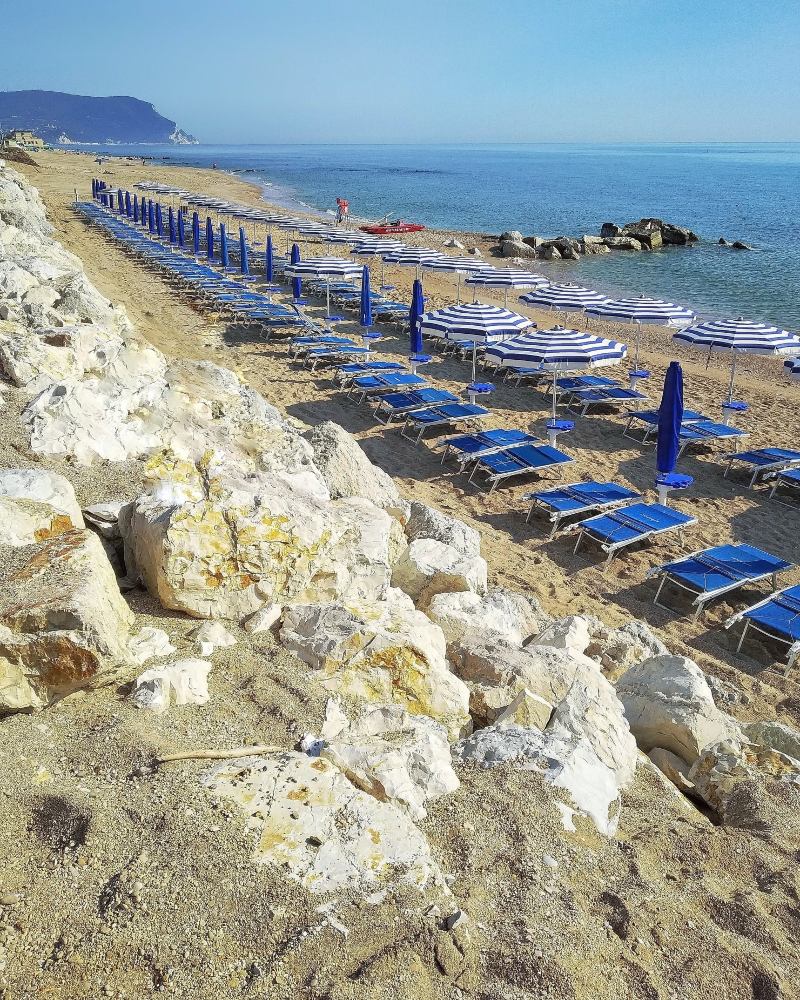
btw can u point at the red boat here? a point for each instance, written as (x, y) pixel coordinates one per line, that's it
(390, 228)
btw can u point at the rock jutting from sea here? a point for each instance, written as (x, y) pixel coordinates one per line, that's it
(646, 234)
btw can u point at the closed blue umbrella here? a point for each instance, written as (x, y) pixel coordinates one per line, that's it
(135, 208)
(209, 238)
(223, 245)
(297, 284)
(365, 319)
(151, 215)
(94, 188)
(244, 261)
(159, 220)
(196, 234)
(173, 236)
(120, 201)
(415, 313)
(269, 262)
(128, 208)
(670, 416)
(181, 229)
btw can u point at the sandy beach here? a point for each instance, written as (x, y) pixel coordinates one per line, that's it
(518, 553)
(125, 879)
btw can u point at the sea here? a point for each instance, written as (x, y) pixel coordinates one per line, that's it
(741, 191)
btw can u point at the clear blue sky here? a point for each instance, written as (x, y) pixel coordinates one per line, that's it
(425, 70)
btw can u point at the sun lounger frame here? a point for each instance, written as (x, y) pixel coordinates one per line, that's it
(611, 548)
(557, 516)
(793, 652)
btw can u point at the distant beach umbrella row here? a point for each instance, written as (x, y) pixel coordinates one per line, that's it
(566, 297)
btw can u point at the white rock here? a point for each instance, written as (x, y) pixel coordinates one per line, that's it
(210, 636)
(527, 710)
(384, 652)
(500, 613)
(567, 633)
(184, 681)
(104, 518)
(63, 622)
(263, 619)
(148, 644)
(428, 567)
(43, 487)
(669, 704)
(426, 522)
(672, 767)
(311, 823)
(25, 522)
(775, 735)
(395, 757)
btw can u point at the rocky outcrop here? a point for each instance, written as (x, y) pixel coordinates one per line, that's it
(63, 622)
(428, 567)
(669, 704)
(35, 505)
(501, 614)
(427, 522)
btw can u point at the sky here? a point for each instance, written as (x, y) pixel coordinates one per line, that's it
(259, 71)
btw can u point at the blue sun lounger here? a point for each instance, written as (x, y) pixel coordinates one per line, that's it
(470, 447)
(582, 400)
(713, 572)
(763, 461)
(346, 373)
(788, 478)
(518, 461)
(440, 416)
(650, 420)
(517, 376)
(376, 385)
(578, 498)
(639, 522)
(576, 383)
(706, 431)
(333, 354)
(777, 617)
(398, 404)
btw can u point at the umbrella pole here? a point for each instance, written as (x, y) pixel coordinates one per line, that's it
(474, 352)
(458, 288)
(555, 372)
(733, 374)
(638, 334)
(328, 298)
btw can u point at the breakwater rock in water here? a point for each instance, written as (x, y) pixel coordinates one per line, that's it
(429, 805)
(646, 234)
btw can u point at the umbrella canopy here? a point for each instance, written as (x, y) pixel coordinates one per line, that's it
(120, 201)
(173, 235)
(159, 220)
(136, 208)
(457, 265)
(151, 216)
(244, 260)
(209, 238)
(506, 277)
(269, 261)
(411, 256)
(128, 207)
(739, 336)
(566, 297)
(414, 316)
(297, 286)
(181, 229)
(325, 267)
(365, 316)
(196, 233)
(643, 311)
(474, 321)
(557, 350)
(223, 245)
(670, 417)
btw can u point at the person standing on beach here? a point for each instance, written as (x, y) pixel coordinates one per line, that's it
(342, 208)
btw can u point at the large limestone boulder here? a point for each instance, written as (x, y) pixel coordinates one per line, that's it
(669, 704)
(348, 472)
(42, 487)
(622, 243)
(586, 749)
(427, 522)
(516, 248)
(428, 567)
(775, 736)
(21, 206)
(395, 757)
(318, 828)
(502, 614)
(23, 522)
(527, 710)
(216, 546)
(383, 652)
(63, 622)
(618, 649)
(732, 775)
(572, 633)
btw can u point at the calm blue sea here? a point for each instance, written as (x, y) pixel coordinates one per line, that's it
(749, 192)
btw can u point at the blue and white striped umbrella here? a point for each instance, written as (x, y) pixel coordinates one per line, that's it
(473, 321)
(411, 256)
(327, 268)
(557, 350)
(505, 278)
(343, 235)
(739, 336)
(456, 265)
(372, 248)
(565, 297)
(643, 311)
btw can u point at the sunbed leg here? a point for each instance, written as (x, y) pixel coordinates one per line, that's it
(578, 542)
(741, 637)
(658, 591)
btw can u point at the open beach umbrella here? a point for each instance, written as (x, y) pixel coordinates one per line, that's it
(643, 311)
(475, 322)
(135, 208)
(326, 268)
(244, 260)
(365, 312)
(670, 417)
(269, 261)
(209, 238)
(151, 215)
(297, 284)
(411, 257)
(196, 234)
(458, 265)
(739, 336)
(181, 229)
(414, 316)
(223, 245)
(557, 350)
(564, 297)
(505, 278)
(173, 235)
